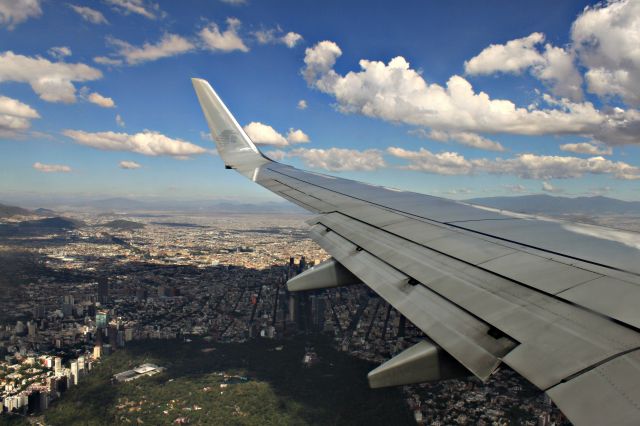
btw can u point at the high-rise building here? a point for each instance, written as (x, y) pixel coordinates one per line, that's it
(97, 351)
(39, 312)
(74, 372)
(103, 291)
(32, 328)
(57, 366)
(102, 319)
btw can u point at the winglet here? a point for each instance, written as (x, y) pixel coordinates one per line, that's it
(234, 146)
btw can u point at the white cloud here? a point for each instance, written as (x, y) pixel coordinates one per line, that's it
(206, 136)
(235, 2)
(276, 154)
(51, 168)
(302, 104)
(397, 93)
(119, 120)
(598, 191)
(559, 72)
(146, 143)
(512, 57)
(527, 166)
(297, 136)
(319, 61)
(140, 7)
(226, 41)
(14, 12)
(104, 60)
(275, 35)
(52, 81)
(263, 134)
(15, 116)
(555, 66)
(129, 165)
(606, 37)
(290, 39)
(98, 99)
(445, 163)
(169, 45)
(89, 14)
(516, 188)
(464, 138)
(59, 52)
(586, 148)
(547, 187)
(339, 159)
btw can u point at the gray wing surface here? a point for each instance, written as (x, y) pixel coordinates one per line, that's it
(556, 301)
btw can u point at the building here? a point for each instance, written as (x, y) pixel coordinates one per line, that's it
(103, 291)
(102, 319)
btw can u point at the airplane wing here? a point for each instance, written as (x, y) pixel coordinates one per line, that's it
(556, 301)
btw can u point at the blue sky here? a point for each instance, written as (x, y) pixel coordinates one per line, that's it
(483, 98)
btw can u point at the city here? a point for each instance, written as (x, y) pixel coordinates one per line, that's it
(90, 289)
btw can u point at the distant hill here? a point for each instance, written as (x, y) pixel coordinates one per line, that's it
(44, 212)
(123, 224)
(8, 211)
(553, 205)
(40, 226)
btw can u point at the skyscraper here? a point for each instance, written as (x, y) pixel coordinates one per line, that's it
(102, 319)
(103, 290)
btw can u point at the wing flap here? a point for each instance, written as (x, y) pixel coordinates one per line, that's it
(609, 394)
(464, 337)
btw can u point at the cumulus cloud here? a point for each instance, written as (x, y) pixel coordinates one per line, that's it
(516, 188)
(147, 143)
(263, 134)
(51, 168)
(276, 154)
(129, 165)
(297, 136)
(444, 163)
(606, 38)
(169, 45)
(14, 12)
(276, 35)
(290, 39)
(464, 138)
(59, 52)
(302, 104)
(15, 116)
(547, 187)
(119, 120)
(105, 60)
(139, 7)
(90, 15)
(98, 99)
(586, 148)
(513, 56)
(340, 159)
(223, 41)
(554, 65)
(318, 65)
(52, 81)
(397, 93)
(527, 166)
